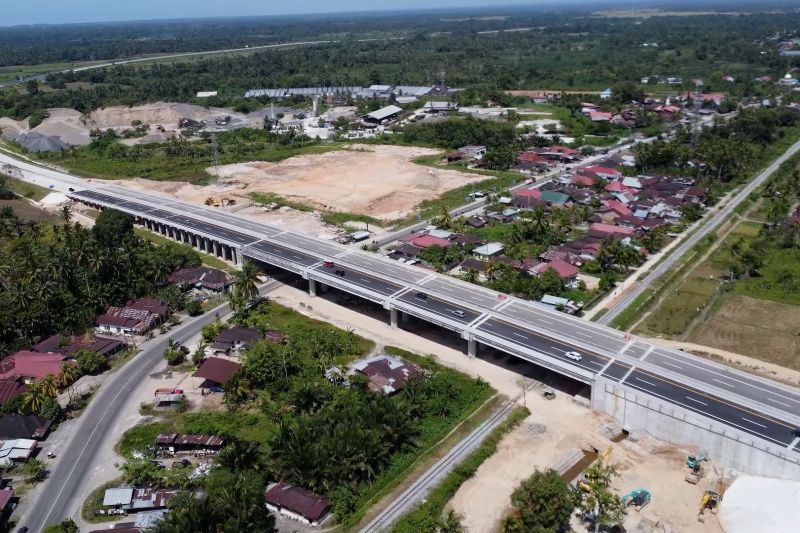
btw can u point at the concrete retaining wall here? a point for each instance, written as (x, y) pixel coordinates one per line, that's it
(726, 446)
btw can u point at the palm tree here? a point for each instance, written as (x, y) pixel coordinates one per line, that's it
(67, 375)
(470, 275)
(34, 398)
(444, 220)
(247, 280)
(65, 214)
(49, 385)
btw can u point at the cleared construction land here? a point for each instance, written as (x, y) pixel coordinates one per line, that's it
(380, 182)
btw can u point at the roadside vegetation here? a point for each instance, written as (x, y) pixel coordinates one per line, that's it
(347, 443)
(430, 516)
(76, 270)
(180, 159)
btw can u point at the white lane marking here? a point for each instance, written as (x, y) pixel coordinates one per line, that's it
(582, 335)
(723, 382)
(646, 353)
(754, 423)
(446, 289)
(625, 349)
(543, 321)
(672, 364)
(695, 400)
(593, 362)
(778, 402)
(365, 280)
(748, 430)
(520, 335)
(644, 381)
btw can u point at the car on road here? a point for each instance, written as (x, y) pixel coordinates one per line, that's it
(339, 273)
(575, 356)
(421, 296)
(328, 264)
(457, 312)
(796, 433)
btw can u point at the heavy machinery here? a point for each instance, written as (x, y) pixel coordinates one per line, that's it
(694, 462)
(639, 498)
(710, 500)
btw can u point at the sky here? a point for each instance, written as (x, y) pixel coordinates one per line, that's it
(15, 12)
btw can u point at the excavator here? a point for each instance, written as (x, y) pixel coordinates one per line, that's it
(710, 500)
(638, 497)
(694, 462)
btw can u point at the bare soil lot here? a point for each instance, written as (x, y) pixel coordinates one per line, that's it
(554, 429)
(759, 328)
(379, 181)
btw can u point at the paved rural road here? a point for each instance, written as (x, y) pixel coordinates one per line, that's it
(414, 494)
(62, 496)
(710, 225)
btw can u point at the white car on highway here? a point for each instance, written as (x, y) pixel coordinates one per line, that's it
(575, 356)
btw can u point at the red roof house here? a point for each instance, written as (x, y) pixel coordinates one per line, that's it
(297, 503)
(618, 207)
(217, 371)
(607, 230)
(426, 241)
(602, 172)
(564, 270)
(599, 116)
(583, 180)
(27, 364)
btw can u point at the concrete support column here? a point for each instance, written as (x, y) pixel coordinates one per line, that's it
(472, 347)
(312, 287)
(235, 258)
(393, 317)
(217, 249)
(403, 317)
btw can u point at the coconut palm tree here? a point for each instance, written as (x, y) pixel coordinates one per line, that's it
(49, 385)
(34, 398)
(247, 280)
(67, 375)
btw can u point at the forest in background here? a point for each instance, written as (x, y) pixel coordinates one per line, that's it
(565, 50)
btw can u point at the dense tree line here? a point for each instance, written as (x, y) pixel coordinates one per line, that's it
(566, 51)
(74, 270)
(725, 153)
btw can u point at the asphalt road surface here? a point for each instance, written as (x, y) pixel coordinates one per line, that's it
(709, 225)
(62, 493)
(538, 330)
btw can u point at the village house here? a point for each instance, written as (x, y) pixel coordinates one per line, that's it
(169, 444)
(28, 365)
(10, 390)
(17, 426)
(216, 372)
(233, 341)
(297, 504)
(17, 450)
(136, 317)
(565, 271)
(606, 173)
(134, 500)
(488, 250)
(69, 346)
(385, 373)
(202, 278)
(473, 151)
